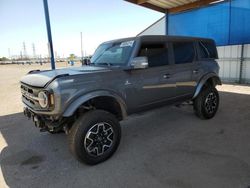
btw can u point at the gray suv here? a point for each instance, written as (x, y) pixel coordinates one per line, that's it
(125, 76)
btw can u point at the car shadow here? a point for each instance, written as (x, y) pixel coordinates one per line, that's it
(166, 147)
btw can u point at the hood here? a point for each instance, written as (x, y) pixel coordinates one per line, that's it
(40, 79)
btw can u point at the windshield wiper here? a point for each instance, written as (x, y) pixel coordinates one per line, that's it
(104, 63)
(100, 64)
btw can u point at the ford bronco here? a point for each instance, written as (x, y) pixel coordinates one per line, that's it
(125, 76)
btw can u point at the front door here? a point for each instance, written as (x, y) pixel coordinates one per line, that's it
(156, 84)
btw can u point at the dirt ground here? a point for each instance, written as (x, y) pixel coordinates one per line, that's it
(9, 82)
(167, 147)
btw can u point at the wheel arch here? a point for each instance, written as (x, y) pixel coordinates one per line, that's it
(211, 79)
(105, 100)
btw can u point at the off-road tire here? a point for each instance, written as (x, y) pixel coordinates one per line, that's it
(206, 103)
(81, 129)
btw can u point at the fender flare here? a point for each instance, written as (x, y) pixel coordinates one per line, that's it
(204, 79)
(73, 106)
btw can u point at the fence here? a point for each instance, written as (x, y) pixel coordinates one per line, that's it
(234, 63)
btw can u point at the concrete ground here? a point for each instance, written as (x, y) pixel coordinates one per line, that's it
(167, 147)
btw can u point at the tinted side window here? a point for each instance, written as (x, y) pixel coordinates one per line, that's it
(207, 50)
(183, 52)
(157, 54)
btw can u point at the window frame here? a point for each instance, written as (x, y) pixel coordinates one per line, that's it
(199, 50)
(166, 45)
(183, 41)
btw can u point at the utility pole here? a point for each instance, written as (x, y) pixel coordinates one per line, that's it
(55, 56)
(46, 11)
(21, 55)
(24, 50)
(9, 53)
(81, 48)
(34, 51)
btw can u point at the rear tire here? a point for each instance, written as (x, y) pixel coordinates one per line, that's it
(94, 137)
(207, 103)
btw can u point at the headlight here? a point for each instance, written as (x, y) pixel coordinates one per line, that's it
(43, 99)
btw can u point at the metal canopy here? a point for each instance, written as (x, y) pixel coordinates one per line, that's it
(173, 6)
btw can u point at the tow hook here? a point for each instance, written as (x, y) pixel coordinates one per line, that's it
(38, 123)
(44, 129)
(26, 113)
(66, 129)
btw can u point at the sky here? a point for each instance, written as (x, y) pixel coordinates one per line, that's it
(23, 21)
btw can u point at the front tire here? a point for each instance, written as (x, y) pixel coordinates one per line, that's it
(207, 103)
(94, 137)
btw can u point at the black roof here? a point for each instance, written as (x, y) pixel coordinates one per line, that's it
(171, 37)
(161, 38)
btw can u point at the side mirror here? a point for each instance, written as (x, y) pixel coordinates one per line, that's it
(139, 63)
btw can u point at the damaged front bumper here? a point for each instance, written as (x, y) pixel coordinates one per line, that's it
(35, 118)
(45, 123)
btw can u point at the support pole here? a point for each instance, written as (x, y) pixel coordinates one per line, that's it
(166, 15)
(46, 11)
(241, 63)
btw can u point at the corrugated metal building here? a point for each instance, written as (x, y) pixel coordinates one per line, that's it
(227, 22)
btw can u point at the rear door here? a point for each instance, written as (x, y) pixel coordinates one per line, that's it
(207, 53)
(184, 56)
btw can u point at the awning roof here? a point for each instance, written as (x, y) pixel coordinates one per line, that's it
(173, 6)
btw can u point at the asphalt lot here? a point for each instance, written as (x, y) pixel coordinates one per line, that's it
(167, 147)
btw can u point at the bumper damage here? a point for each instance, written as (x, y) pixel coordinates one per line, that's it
(36, 119)
(45, 123)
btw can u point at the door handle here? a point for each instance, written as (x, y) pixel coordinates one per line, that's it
(195, 71)
(166, 76)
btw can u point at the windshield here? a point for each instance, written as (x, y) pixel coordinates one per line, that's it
(113, 54)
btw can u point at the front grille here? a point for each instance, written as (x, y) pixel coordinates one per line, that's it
(28, 95)
(24, 88)
(27, 99)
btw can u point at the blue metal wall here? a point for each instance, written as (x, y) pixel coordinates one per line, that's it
(227, 23)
